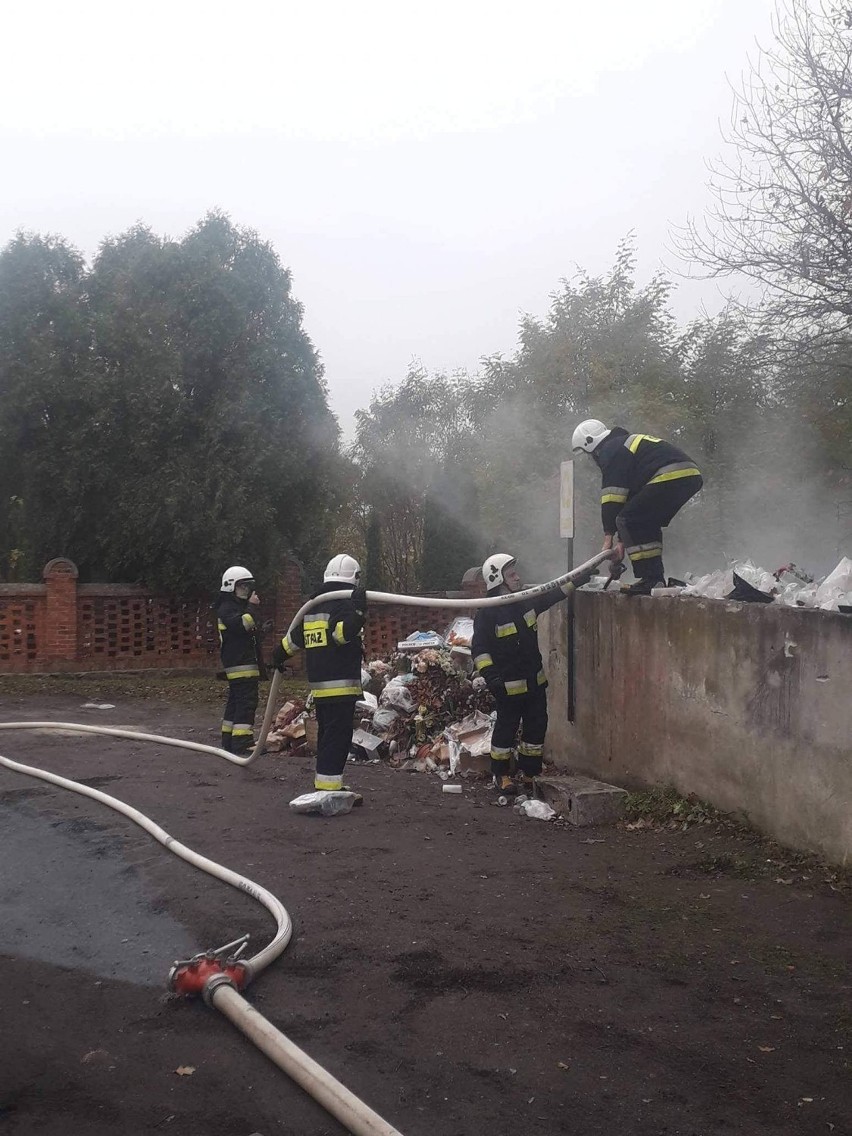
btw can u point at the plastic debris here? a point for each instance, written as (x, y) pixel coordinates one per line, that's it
(326, 802)
(538, 810)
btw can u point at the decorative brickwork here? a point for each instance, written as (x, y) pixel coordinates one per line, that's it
(63, 626)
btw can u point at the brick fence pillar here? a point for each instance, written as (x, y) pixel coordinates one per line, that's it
(60, 637)
(288, 599)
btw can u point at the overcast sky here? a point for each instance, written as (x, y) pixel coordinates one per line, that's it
(427, 170)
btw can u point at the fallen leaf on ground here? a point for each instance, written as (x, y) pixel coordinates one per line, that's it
(766, 1048)
(185, 1070)
(562, 1065)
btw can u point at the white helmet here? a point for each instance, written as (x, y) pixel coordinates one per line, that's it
(342, 569)
(494, 568)
(234, 576)
(589, 435)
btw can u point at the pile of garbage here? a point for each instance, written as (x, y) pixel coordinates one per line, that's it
(746, 581)
(423, 710)
(289, 729)
(789, 585)
(431, 713)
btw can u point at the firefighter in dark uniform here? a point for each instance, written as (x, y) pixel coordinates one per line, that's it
(505, 653)
(331, 637)
(646, 482)
(238, 618)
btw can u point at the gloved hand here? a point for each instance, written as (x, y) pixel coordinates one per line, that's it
(359, 599)
(497, 687)
(278, 657)
(267, 626)
(578, 581)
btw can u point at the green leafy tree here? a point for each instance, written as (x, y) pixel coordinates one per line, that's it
(197, 431)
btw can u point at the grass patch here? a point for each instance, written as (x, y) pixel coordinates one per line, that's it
(182, 690)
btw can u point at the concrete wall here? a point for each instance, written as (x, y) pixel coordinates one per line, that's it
(748, 706)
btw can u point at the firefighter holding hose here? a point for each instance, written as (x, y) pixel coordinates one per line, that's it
(506, 654)
(646, 482)
(330, 635)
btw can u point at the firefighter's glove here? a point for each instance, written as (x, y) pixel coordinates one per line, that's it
(279, 658)
(359, 600)
(497, 688)
(266, 627)
(578, 581)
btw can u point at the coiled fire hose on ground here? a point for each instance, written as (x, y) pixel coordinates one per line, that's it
(221, 973)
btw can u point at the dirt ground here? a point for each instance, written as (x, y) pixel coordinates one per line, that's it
(463, 969)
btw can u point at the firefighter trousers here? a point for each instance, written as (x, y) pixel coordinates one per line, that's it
(529, 711)
(240, 709)
(335, 723)
(642, 520)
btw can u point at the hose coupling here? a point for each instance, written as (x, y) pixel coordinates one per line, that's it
(191, 976)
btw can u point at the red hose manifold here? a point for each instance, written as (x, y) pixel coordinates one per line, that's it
(191, 977)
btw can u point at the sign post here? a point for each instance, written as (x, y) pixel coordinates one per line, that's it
(566, 532)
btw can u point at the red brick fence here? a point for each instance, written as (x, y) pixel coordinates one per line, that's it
(61, 625)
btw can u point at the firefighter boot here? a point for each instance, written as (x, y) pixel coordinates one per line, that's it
(505, 786)
(642, 587)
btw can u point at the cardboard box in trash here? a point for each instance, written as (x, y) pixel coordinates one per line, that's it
(469, 742)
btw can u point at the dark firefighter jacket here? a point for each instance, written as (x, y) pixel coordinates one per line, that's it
(505, 642)
(239, 635)
(331, 637)
(629, 462)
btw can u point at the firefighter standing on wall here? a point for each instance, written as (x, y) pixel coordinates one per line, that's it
(331, 637)
(506, 654)
(646, 481)
(238, 619)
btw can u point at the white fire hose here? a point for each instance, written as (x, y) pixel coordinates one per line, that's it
(221, 973)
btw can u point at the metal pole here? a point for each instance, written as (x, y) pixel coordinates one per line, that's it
(566, 531)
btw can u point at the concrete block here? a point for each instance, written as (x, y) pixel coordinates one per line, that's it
(583, 801)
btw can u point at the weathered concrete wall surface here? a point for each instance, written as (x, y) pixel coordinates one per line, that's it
(748, 706)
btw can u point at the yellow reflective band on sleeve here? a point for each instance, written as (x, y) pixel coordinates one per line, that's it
(674, 474)
(248, 622)
(290, 648)
(634, 441)
(567, 587)
(516, 686)
(541, 678)
(530, 617)
(618, 493)
(483, 661)
(504, 629)
(222, 626)
(337, 635)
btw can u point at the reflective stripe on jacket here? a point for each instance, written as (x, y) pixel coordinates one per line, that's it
(629, 462)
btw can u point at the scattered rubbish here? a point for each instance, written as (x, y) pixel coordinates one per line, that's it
(289, 728)
(326, 802)
(98, 706)
(460, 632)
(420, 639)
(748, 592)
(451, 788)
(538, 810)
(836, 588)
(368, 742)
(185, 1070)
(502, 802)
